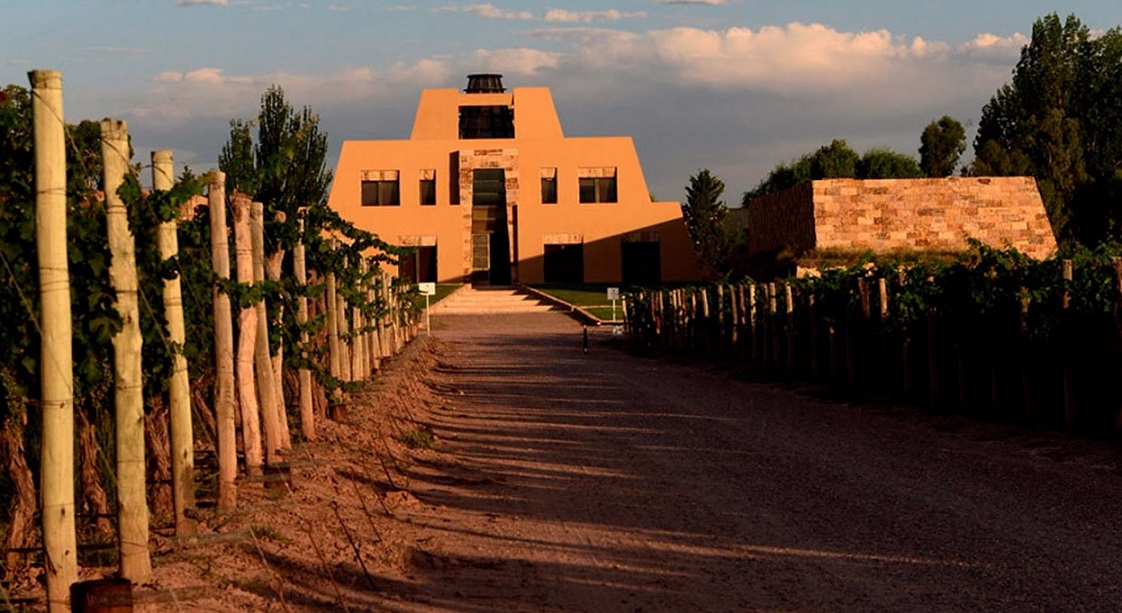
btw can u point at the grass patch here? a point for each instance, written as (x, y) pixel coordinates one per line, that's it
(421, 437)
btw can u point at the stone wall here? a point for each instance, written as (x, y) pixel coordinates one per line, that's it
(901, 214)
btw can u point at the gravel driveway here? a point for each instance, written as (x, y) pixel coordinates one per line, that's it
(608, 482)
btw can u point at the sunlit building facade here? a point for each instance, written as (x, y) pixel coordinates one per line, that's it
(488, 189)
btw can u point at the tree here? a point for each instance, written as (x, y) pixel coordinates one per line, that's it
(1035, 124)
(278, 159)
(834, 161)
(880, 163)
(941, 145)
(705, 214)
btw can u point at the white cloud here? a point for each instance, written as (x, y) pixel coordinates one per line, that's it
(565, 16)
(736, 100)
(704, 2)
(196, 2)
(490, 11)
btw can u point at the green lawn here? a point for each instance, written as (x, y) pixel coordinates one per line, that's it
(590, 297)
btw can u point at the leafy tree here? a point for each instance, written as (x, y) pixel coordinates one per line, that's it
(1036, 124)
(941, 145)
(879, 163)
(834, 161)
(278, 159)
(705, 214)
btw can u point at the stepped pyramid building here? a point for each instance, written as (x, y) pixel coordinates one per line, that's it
(488, 189)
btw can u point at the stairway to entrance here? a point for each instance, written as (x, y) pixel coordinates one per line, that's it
(491, 300)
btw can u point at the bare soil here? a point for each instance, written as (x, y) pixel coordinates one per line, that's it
(559, 480)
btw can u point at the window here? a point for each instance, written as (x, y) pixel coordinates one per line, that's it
(428, 187)
(597, 184)
(380, 188)
(598, 189)
(486, 122)
(549, 186)
(488, 187)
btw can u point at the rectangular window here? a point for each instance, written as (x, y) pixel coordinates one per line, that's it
(428, 187)
(488, 187)
(380, 188)
(598, 189)
(486, 122)
(549, 186)
(380, 193)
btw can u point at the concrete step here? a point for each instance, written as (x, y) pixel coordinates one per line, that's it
(474, 301)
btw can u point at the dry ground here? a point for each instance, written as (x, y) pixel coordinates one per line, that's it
(565, 481)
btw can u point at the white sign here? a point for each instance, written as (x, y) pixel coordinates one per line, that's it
(613, 293)
(427, 289)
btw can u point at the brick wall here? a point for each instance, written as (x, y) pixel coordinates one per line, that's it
(900, 214)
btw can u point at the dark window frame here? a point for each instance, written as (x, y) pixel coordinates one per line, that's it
(427, 191)
(381, 192)
(598, 190)
(549, 190)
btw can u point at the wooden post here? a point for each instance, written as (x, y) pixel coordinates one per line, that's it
(790, 308)
(1116, 263)
(882, 293)
(331, 299)
(754, 329)
(1028, 387)
(179, 393)
(262, 359)
(128, 391)
(247, 339)
(344, 338)
(815, 349)
(225, 402)
(56, 368)
(1070, 414)
(273, 265)
(933, 355)
(307, 411)
(773, 332)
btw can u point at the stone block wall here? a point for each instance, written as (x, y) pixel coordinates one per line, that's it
(901, 214)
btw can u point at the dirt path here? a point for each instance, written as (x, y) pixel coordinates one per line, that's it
(604, 482)
(564, 481)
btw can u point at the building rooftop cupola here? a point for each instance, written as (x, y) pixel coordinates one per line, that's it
(485, 84)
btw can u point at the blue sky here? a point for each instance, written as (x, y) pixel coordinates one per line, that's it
(735, 86)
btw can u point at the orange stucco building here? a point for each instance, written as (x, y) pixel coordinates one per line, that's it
(489, 190)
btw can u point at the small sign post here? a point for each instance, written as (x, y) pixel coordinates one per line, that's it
(427, 289)
(613, 295)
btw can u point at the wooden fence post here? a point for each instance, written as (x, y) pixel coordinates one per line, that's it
(273, 271)
(790, 308)
(225, 402)
(56, 369)
(303, 374)
(179, 393)
(128, 393)
(247, 340)
(262, 359)
(1068, 374)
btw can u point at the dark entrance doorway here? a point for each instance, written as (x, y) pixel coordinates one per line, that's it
(419, 266)
(489, 235)
(564, 263)
(642, 263)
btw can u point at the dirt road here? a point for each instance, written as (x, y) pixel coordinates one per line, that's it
(606, 482)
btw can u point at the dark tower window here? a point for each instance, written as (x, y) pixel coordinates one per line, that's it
(486, 122)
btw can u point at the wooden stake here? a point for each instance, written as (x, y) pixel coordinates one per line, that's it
(273, 265)
(307, 411)
(262, 358)
(56, 368)
(225, 402)
(247, 340)
(128, 392)
(1070, 414)
(179, 393)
